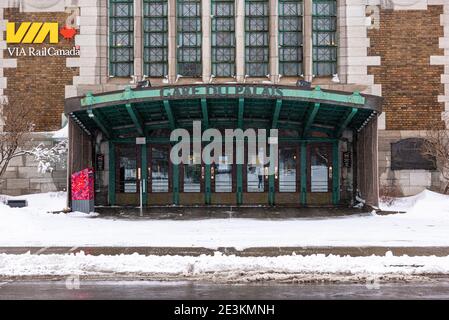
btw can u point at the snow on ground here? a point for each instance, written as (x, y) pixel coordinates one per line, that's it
(219, 265)
(426, 223)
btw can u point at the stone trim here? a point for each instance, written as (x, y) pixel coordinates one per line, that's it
(353, 45)
(93, 41)
(240, 40)
(443, 60)
(4, 63)
(206, 40)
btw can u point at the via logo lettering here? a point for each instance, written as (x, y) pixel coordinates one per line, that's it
(37, 32)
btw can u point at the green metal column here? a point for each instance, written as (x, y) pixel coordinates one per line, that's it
(239, 173)
(111, 186)
(303, 170)
(176, 184)
(335, 173)
(207, 183)
(207, 167)
(271, 189)
(144, 173)
(239, 167)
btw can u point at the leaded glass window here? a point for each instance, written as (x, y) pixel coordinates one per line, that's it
(189, 37)
(324, 36)
(256, 38)
(223, 38)
(121, 28)
(290, 37)
(155, 28)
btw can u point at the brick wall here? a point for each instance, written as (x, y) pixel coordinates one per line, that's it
(41, 79)
(410, 85)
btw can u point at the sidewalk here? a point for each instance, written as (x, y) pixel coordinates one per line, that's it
(248, 252)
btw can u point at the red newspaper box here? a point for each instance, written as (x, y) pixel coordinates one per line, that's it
(83, 190)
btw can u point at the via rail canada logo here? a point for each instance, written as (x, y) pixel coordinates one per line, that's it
(38, 33)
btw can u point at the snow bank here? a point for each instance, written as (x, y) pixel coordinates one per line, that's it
(37, 203)
(81, 264)
(426, 223)
(426, 202)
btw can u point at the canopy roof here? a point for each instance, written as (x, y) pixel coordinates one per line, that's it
(139, 112)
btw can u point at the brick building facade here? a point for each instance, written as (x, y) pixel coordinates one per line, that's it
(397, 50)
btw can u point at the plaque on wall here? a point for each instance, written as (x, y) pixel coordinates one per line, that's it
(407, 154)
(347, 159)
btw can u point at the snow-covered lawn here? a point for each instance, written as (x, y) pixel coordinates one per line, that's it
(426, 223)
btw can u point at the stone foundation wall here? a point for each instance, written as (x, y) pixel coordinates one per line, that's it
(22, 176)
(403, 182)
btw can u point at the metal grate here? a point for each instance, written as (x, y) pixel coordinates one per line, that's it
(324, 35)
(121, 42)
(223, 38)
(256, 38)
(189, 38)
(290, 37)
(155, 53)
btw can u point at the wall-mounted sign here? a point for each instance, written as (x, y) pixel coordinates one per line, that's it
(23, 35)
(141, 140)
(347, 159)
(100, 162)
(407, 154)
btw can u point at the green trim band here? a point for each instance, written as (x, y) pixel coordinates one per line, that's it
(220, 91)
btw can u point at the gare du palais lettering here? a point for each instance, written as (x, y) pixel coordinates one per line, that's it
(220, 91)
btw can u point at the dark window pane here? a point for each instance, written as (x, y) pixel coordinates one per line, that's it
(189, 37)
(290, 37)
(223, 38)
(155, 54)
(256, 37)
(121, 28)
(324, 37)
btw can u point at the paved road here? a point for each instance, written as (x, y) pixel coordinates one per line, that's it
(193, 290)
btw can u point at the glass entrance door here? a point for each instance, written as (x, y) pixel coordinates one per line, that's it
(255, 178)
(223, 181)
(288, 175)
(159, 175)
(127, 171)
(319, 183)
(192, 177)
